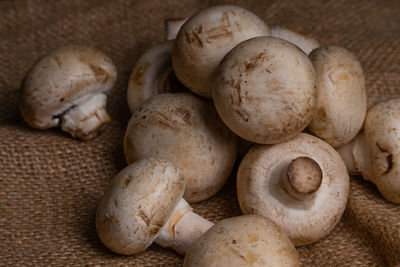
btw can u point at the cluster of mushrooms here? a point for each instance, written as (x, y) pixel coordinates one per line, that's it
(300, 107)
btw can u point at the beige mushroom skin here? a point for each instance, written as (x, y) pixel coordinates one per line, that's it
(248, 240)
(302, 185)
(265, 90)
(144, 204)
(341, 95)
(375, 152)
(152, 75)
(68, 87)
(186, 130)
(206, 38)
(304, 42)
(172, 27)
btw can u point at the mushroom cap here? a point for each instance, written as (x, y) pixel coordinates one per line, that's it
(136, 205)
(259, 192)
(63, 79)
(152, 75)
(204, 40)
(248, 240)
(342, 97)
(304, 42)
(187, 131)
(382, 133)
(265, 90)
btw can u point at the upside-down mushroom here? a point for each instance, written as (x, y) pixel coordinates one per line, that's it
(302, 185)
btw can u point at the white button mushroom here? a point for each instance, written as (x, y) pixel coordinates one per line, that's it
(265, 90)
(187, 131)
(68, 87)
(205, 39)
(152, 75)
(304, 42)
(341, 95)
(144, 204)
(375, 152)
(302, 185)
(248, 240)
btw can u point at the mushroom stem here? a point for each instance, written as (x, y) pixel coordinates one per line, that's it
(172, 27)
(354, 154)
(302, 178)
(84, 120)
(182, 228)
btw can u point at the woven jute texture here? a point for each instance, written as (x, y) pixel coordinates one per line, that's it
(50, 184)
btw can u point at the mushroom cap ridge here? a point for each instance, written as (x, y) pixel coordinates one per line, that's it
(258, 188)
(248, 240)
(63, 79)
(137, 204)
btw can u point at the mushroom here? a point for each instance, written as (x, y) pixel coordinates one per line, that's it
(248, 240)
(172, 27)
(304, 42)
(144, 204)
(265, 90)
(152, 75)
(204, 40)
(187, 131)
(68, 87)
(375, 152)
(302, 185)
(341, 95)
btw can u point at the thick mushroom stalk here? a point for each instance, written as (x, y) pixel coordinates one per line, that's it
(182, 228)
(375, 152)
(302, 178)
(84, 120)
(69, 87)
(302, 185)
(144, 204)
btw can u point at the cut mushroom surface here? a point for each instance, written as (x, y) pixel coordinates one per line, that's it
(206, 38)
(265, 90)
(68, 88)
(375, 152)
(248, 240)
(152, 75)
(342, 96)
(144, 204)
(302, 185)
(304, 42)
(186, 130)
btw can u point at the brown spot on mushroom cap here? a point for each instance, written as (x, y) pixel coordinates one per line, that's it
(304, 175)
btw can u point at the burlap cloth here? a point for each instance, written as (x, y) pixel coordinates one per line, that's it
(50, 183)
